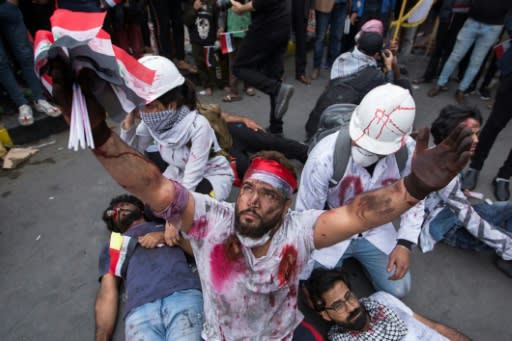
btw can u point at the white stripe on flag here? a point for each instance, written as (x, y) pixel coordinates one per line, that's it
(122, 256)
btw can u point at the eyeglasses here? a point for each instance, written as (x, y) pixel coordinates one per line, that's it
(341, 304)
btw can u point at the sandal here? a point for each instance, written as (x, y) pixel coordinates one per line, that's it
(25, 117)
(250, 91)
(231, 98)
(46, 108)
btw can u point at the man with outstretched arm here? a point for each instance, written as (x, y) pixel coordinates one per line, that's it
(249, 253)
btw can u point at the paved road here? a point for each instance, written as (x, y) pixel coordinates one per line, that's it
(51, 233)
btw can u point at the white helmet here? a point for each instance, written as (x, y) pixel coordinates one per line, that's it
(383, 119)
(167, 76)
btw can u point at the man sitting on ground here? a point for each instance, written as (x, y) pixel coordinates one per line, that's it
(379, 317)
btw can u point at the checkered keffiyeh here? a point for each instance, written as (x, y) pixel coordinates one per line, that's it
(351, 62)
(160, 122)
(385, 325)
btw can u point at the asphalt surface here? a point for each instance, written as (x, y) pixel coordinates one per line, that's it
(51, 233)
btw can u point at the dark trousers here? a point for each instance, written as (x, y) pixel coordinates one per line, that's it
(445, 40)
(260, 63)
(162, 11)
(500, 115)
(207, 76)
(299, 26)
(246, 140)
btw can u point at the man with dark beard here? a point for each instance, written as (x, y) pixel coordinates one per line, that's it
(249, 254)
(380, 317)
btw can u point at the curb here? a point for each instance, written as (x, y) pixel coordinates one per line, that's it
(43, 127)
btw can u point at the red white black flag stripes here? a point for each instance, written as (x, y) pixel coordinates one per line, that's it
(77, 38)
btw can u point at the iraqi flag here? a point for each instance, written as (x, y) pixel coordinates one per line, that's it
(226, 44)
(502, 47)
(120, 249)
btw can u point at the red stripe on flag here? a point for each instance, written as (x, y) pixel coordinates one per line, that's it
(114, 258)
(77, 21)
(133, 66)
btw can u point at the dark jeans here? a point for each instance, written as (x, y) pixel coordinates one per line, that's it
(14, 33)
(299, 25)
(260, 63)
(500, 116)
(445, 40)
(207, 76)
(246, 140)
(162, 11)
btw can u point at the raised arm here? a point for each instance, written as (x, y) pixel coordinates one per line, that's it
(127, 167)
(432, 169)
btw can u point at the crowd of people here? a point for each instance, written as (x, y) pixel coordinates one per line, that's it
(194, 266)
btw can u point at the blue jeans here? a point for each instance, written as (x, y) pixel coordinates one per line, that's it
(176, 317)
(447, 227)
(375, 263)
(337, 21)
(14, 33)
(483, 36)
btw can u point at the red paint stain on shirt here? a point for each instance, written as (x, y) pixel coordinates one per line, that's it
(199, 228)
(288, 264)
(348, 182)
(388, 181)
(223, 267)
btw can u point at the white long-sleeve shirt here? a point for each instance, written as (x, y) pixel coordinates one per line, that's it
(186, 148)
(452, 197)
(314, 193)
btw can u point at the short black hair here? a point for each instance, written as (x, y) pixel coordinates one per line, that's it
(370, 43)
(450, 117)
(123, 198)
(184, 94)
(321, 281)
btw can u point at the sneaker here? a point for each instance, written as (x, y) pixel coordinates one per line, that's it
(315, 73)
(501, 189)
(485, 94)
(505, 266)
(283, 99)
(470, 179)
(43, 106)
(25, 116)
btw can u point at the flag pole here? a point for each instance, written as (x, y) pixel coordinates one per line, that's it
(399, 20)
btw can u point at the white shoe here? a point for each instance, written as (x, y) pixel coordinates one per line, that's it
(25, 116)
(43, 106)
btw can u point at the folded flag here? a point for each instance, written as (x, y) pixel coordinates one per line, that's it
(120, 250)
(502, 47)
(208, 55)
(77, 39)
(226, 44)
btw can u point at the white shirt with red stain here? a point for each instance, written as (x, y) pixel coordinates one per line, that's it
(249, 298)
(314, 193)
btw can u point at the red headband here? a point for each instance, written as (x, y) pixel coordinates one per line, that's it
(273, 167)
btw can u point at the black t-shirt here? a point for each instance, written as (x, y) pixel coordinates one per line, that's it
(271, 15)
(203, 29)
(491, 12)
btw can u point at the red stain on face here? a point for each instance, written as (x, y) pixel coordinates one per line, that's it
(224, 266)
(288, 264)
(349, 182)
(199, 228)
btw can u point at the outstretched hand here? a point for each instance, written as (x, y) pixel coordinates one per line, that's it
(434, 168)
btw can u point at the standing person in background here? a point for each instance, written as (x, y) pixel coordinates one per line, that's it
(14, 33)
(238, 24)
(260, 58)
(300, 14)
(482, 28)
(328, 13)
(164, 11)
(500, 116)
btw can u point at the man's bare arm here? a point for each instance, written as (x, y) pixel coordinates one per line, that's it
(432, 169)
(105, 308)
(450, 333)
